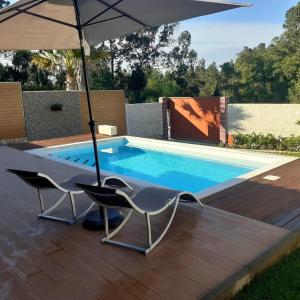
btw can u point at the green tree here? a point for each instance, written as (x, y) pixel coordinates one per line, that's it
(111, 64)
(146, 48)
(67, 64)
(3, 3)
(181, 62)
(286, 49)
(58, 62)
(22, 70)
(211, 81)
(228, 81)
(136, 84)
(160, 85)
(259, 81)
(131, 59)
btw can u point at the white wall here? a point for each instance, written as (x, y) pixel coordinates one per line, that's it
(278, 119)
(144, 120)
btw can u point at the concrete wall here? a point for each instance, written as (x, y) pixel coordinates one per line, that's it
(43, 123)
(278, 119)
(144, 120)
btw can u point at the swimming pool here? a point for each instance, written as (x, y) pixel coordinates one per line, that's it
(179, 166)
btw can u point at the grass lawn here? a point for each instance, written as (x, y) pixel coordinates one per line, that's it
(281, 281)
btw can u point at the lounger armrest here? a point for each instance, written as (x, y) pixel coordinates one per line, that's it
(188, 198)
(116, 182)
(22, 172)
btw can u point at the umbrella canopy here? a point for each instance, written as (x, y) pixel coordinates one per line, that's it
(56, 26)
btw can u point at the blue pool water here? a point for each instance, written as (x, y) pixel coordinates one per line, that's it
(166, 169)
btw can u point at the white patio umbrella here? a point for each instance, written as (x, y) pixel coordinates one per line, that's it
(72, 24)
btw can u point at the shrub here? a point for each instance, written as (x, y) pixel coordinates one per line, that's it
(259, 141)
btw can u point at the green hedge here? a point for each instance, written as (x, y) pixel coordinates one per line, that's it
(267, 142)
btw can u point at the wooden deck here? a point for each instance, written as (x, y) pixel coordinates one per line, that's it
(273, 202)
(56, 141)
(46, 260)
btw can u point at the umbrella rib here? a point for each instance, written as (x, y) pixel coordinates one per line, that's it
(125, 14)
(19, 12)
(101, 13)
(105, 20)
(46, 18)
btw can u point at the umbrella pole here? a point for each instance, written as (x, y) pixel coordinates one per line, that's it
(92, 123)
(95, 219)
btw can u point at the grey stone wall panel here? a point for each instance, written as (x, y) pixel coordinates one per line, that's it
(43, 123)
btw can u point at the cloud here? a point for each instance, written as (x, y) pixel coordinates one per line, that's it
(221, 41)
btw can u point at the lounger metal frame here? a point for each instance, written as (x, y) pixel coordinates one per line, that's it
(68, 195)
(45, 213)
(151, 244)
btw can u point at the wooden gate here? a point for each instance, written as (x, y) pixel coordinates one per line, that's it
(108, 109)
(12, 124)
(198, 119)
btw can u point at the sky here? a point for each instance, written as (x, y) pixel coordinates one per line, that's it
(221, 36)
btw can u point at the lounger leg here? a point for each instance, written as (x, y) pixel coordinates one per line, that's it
(149, 230)
(200, 203)
(106, 222)
(45, 214)
(166, 228)
(54, 206)
(74, 213)
(113, 233)
(151, 244)
(86, 211)
(108, 237)
(41, 201)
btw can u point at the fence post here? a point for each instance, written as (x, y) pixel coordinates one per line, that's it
(165, 117)
(223, 119)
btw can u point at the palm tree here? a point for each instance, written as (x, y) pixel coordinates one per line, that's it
(58, 61)
(69, 62)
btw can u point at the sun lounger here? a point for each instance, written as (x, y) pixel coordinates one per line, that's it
(149, 201)
(42, 182)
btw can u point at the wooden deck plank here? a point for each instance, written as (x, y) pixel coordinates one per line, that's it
(56, 141)
(12, 287)
(54, 261)
(273, 202)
